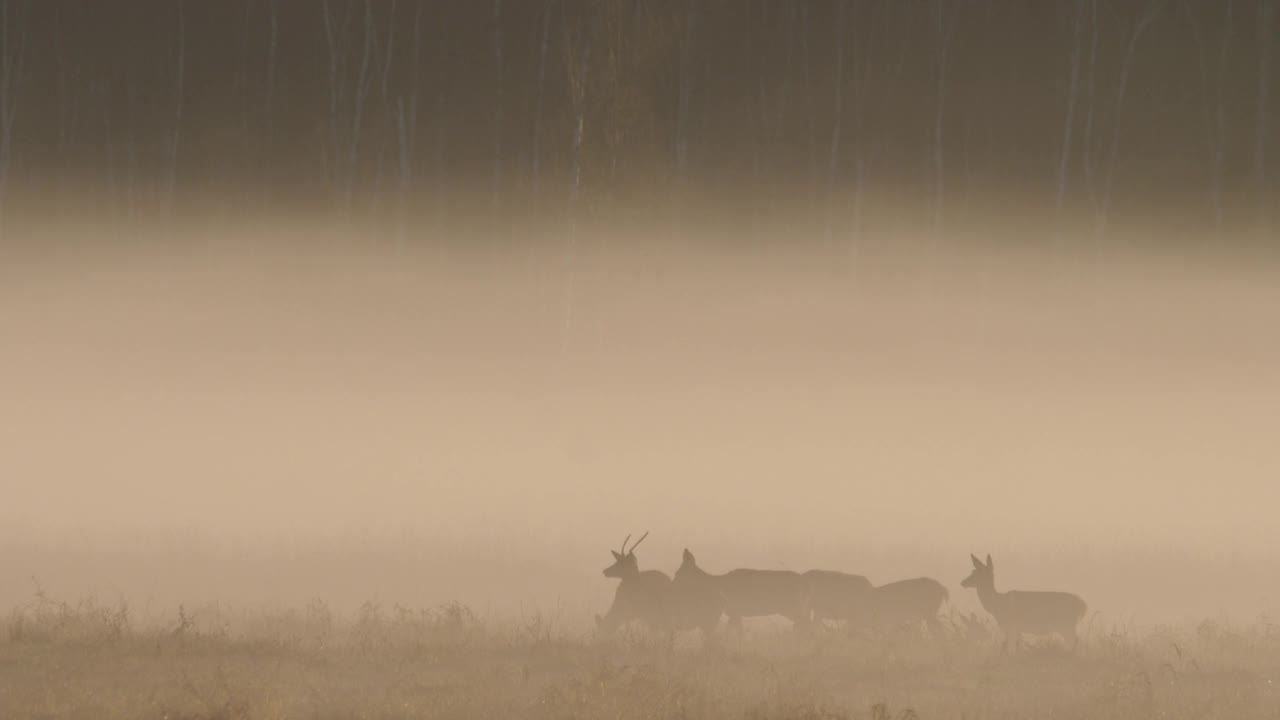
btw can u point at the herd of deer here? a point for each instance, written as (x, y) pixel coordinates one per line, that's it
(696, 600)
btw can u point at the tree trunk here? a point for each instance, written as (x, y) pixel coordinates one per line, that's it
(833, 166)
(1073, 93)
(13, 54)
(1266, 13)
(686, 88)
(357, 110)
(498, 107)
(180, 70)
(535, 163)
(1212, 104)
(1103, 218)
(943, 28)
(407, 132)
(272, 52)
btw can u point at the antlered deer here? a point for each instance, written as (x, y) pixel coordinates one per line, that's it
(1019, 611)
(642, 596)
(836, 595)
(754, 593)
(651, 597)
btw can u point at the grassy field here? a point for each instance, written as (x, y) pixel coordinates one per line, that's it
(93, 661)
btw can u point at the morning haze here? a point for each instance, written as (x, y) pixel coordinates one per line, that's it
(341, 343)
(754, 402)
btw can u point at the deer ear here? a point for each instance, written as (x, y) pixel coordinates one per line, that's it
(616, 556)
(989, 565)
(976, 562)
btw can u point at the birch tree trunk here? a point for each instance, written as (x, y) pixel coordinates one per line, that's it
(1088, 160)
(577, 55)
(686, 89)
(346, 100)
(535, 162)
(175, 138)
(1103, 218)
(357, 111)
(1073, 94)
(407, 131)
(13, 54)
(1212, 102)
(943, 28)
(498, 119)
(1266, 14)
(833, 165)
(273, 45)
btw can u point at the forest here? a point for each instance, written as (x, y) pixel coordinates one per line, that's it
(518, 111)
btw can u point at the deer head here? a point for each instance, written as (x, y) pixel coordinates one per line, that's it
(983, 575)
(624, 563)
(688, 565)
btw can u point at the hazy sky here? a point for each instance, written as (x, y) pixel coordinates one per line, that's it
(317, 392)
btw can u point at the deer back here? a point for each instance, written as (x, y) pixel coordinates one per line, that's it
(908, 600)
(750, 592)
(1038, 612)
(836, 595)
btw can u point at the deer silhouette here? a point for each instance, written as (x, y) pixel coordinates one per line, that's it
(907, 602)
(853, 599)
(753, 593)
(652, 598)
(836, 595)
(1019, 611)
(642, 595)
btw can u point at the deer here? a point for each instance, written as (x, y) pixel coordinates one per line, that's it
(907, 602)
(836, 595)
(642, 595)
(753, 593)
(1020, 611)
(697, 602)
(651, 597)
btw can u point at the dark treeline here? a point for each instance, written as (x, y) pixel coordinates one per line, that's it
(1095, 106)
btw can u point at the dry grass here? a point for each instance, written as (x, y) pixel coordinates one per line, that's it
(89, 660)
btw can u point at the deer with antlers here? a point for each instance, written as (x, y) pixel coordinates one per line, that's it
(642, 595)
(652, 598)
(1020, 611)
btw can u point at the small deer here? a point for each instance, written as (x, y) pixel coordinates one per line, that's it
(836, 595)
(754, 593)
(1019, 611)
(642, 596)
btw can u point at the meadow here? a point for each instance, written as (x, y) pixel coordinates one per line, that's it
(93, 660)
(1102, 425)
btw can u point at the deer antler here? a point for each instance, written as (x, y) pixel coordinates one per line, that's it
(624, 543)
(642, 537)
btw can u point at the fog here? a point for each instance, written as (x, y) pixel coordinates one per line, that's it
(248, 422)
